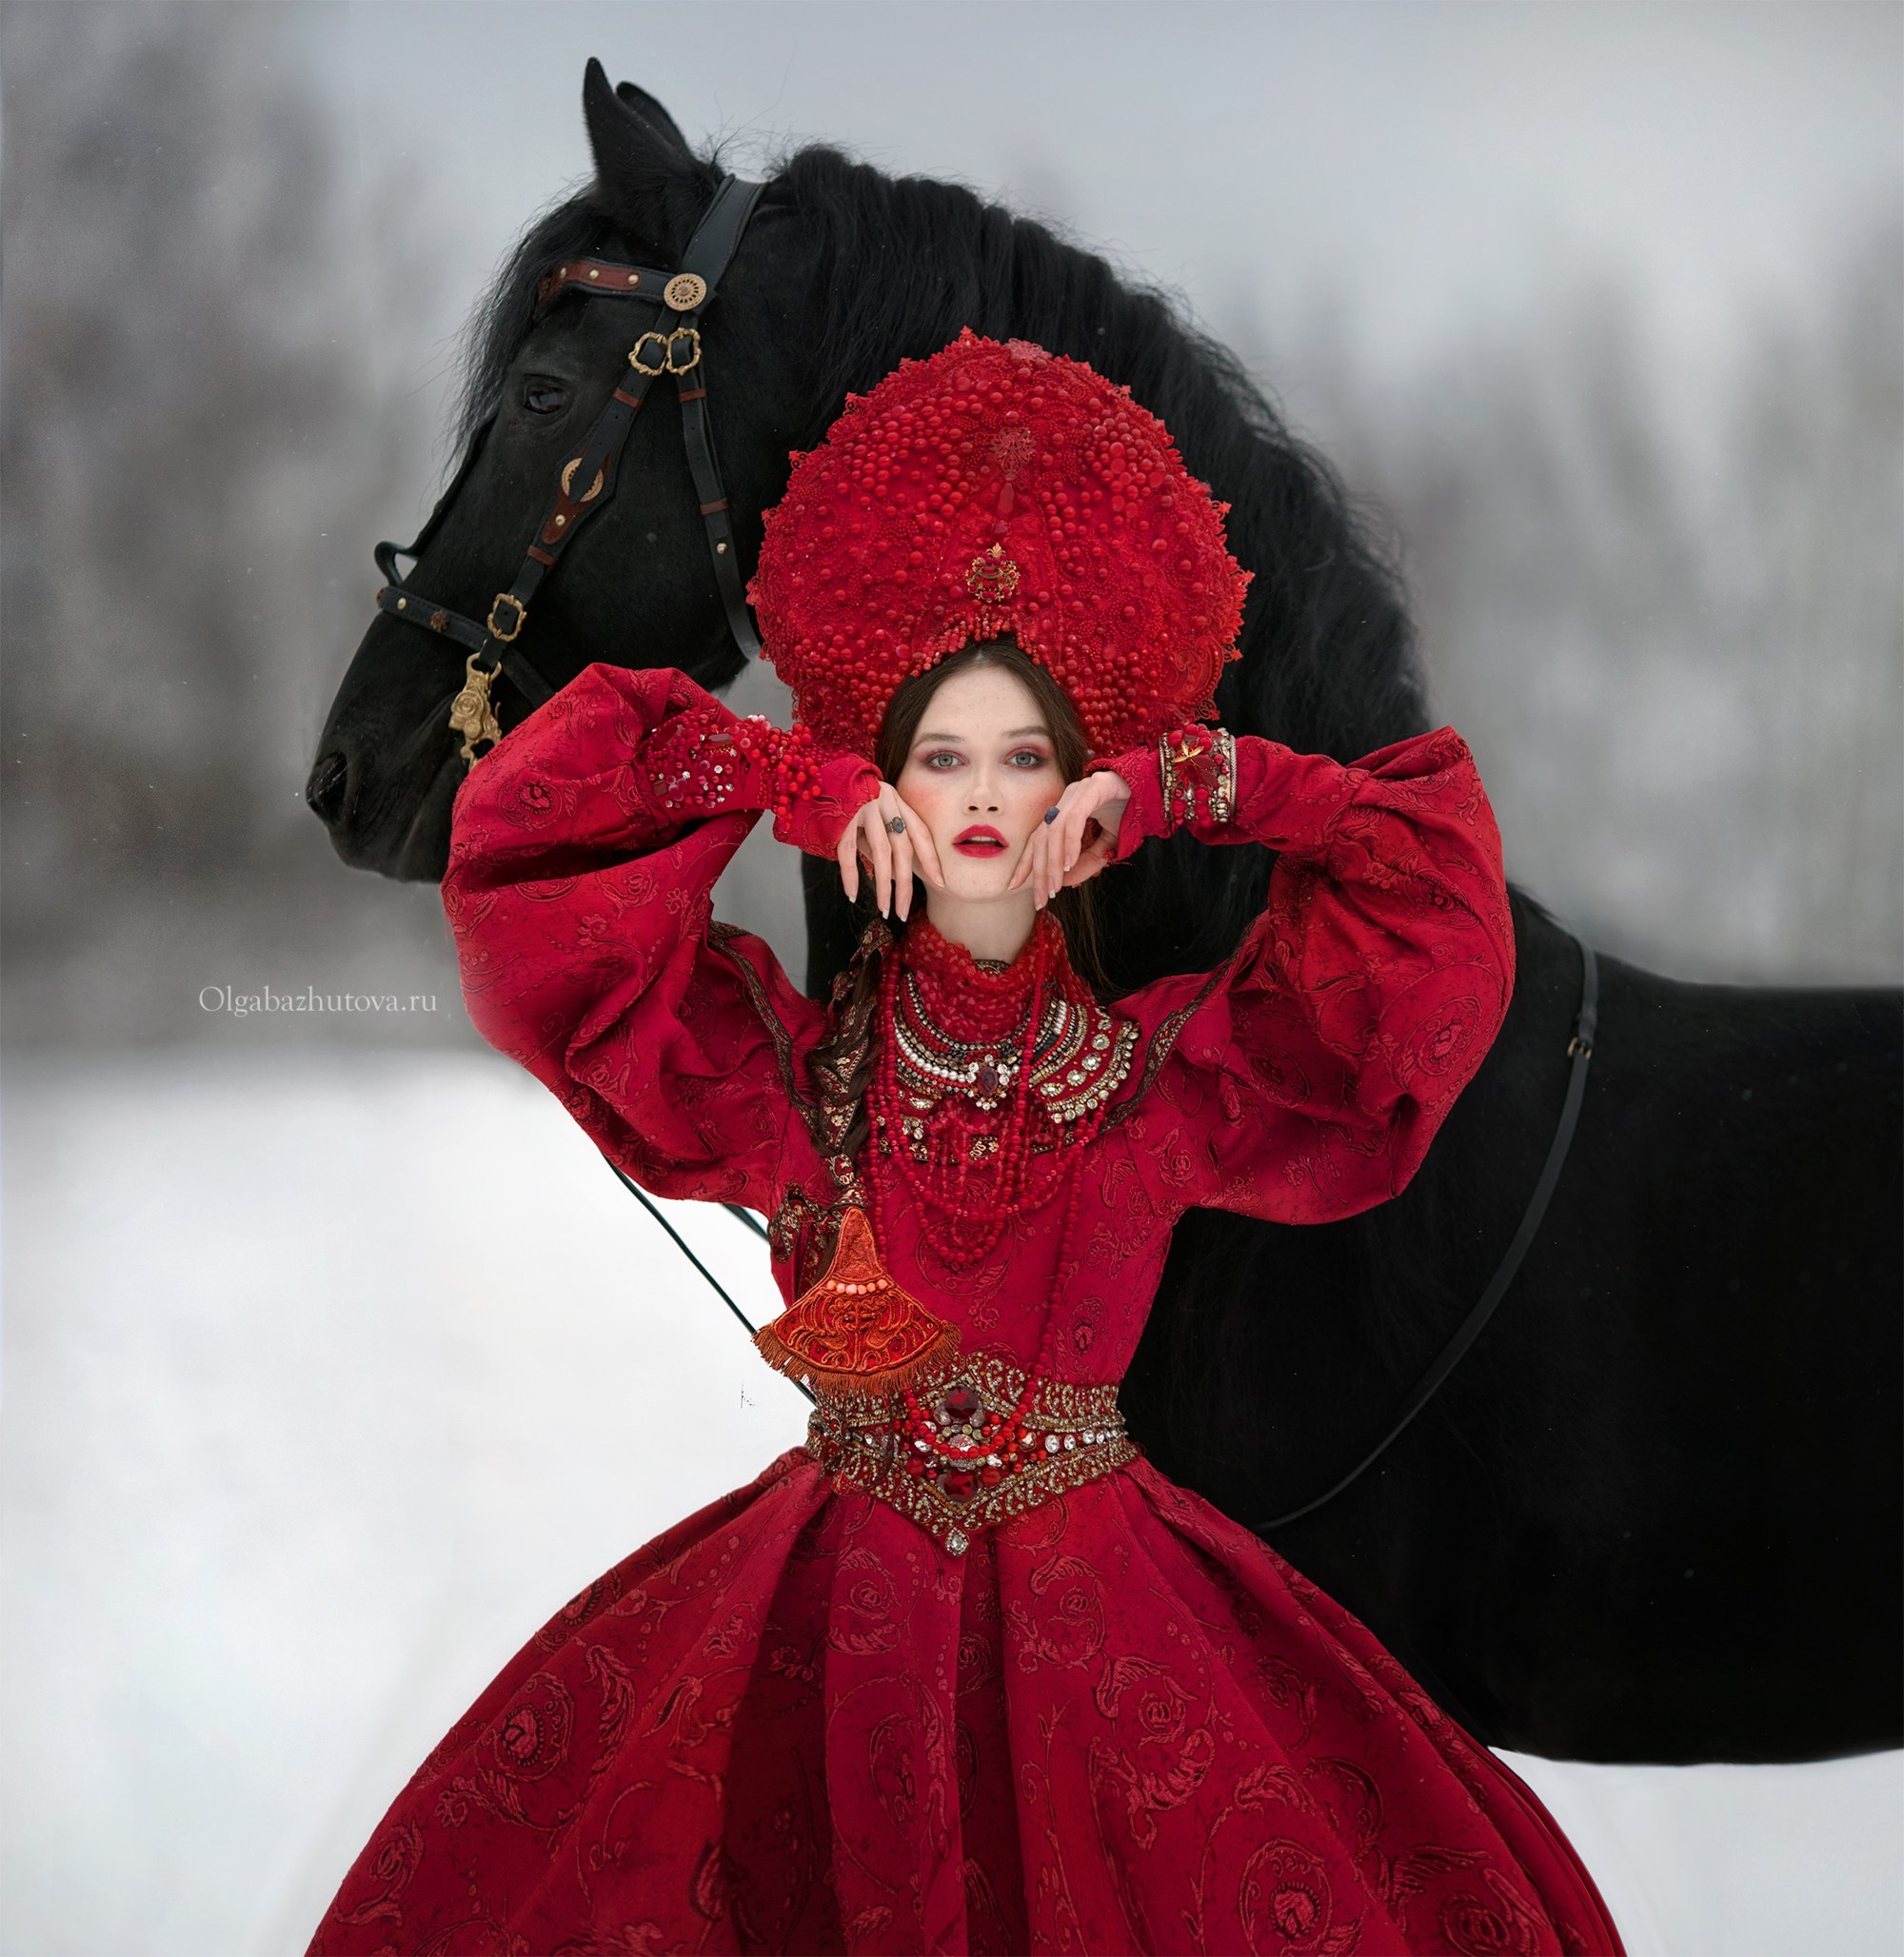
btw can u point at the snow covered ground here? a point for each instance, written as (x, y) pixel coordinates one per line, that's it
(329, 1375)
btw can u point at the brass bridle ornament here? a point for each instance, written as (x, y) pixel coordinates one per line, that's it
(669, 344)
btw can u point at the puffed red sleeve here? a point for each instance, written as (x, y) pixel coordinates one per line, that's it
(1304, 1079)
(582, 856)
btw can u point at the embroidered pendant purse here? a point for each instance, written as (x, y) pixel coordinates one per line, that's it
(856, 1332)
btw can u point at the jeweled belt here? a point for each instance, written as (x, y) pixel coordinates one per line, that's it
(974, 1440)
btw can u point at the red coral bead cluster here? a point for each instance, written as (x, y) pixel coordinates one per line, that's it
(691, 763)
(706, 759)
(997, 489)
(979, 1169)
(789, 762)
(982, 1447)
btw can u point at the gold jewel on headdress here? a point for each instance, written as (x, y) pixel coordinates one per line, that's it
(992, 574)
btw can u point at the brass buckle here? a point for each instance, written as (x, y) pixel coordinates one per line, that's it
(640, 366)
(667, 362)
(514, 632)
(569, 470)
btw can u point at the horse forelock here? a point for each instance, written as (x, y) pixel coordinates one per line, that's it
(505, 313)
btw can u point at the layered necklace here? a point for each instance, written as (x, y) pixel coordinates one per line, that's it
(988, 1080)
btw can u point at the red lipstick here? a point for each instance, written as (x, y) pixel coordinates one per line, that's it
(978, 841)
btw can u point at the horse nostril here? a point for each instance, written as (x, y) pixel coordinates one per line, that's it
(324, 792)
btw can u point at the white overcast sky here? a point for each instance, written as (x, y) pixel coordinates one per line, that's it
(1429, 167)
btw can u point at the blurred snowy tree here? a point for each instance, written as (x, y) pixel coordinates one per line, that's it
(1676, 645)
(191, 432)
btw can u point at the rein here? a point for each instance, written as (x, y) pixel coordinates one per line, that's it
(670, 344)
(1580, 1050)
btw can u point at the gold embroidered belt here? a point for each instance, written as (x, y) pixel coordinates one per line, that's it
(971, 1442)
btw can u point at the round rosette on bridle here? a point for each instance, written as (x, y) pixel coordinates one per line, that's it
(999, 490)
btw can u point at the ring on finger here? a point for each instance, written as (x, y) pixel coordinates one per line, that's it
(896, 825)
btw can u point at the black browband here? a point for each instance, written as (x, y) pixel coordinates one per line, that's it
(670, 345)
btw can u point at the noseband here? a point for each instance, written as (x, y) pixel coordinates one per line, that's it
(670, 343)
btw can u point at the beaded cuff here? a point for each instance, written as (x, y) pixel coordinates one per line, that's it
(788, 761)
(970, 1443)
(705, 761)
(1199, 766)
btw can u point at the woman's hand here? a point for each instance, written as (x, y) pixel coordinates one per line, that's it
(1076, 836)
(892, 856)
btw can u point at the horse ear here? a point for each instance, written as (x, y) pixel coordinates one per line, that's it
(651, 113)
(646, 178)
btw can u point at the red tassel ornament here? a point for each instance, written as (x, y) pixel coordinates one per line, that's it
(856, 1332)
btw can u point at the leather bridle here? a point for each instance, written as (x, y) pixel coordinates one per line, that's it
(670, 343)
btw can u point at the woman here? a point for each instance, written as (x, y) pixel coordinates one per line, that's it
(964, 1672)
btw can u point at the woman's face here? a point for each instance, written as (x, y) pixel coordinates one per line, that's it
(980, 774)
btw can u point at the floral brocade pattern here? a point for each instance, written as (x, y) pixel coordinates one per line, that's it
(1114, 1721)
(1117, 1723)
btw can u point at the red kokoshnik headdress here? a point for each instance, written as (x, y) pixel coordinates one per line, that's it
(997, 489)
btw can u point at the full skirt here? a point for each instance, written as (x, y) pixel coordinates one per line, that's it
(1118, 1722)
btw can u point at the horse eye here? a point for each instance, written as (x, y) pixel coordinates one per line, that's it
(544, 397)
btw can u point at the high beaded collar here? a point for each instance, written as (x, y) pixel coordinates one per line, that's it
(980, 999)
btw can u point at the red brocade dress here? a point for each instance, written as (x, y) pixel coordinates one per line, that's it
(857, 1707)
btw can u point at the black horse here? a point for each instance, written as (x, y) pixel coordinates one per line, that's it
(1655, 1516)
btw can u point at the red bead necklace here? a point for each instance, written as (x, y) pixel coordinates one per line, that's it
(987, 1154)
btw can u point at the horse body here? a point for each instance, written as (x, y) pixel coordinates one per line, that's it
(1655, 1515)
(1650, 1517)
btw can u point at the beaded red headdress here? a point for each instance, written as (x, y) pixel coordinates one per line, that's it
(996, 489)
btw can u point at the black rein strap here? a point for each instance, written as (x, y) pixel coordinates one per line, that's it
(1580, 1050)
(720, 1290)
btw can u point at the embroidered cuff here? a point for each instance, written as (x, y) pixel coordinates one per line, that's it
(1189, 776)
(1227, 788)
(831, 791)
(1198, 770)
